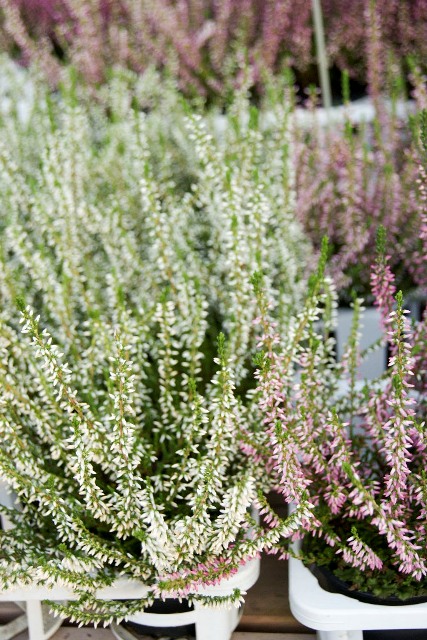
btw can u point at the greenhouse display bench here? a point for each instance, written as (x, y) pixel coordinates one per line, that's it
(35, 620)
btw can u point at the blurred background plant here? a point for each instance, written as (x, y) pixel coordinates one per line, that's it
(203, 44)
(352, 178)
(364, 34)
(342, 180)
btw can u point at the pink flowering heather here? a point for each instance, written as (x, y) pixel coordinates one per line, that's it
(382, 281)
(349, 181)
(374, 50)
(358, 455)
(361, 32)
(359, 554)
(201, 44)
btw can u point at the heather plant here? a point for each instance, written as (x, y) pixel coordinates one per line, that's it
(201, 44)
(126, 337)
(368, 36)
(355, 451)
(352, 178)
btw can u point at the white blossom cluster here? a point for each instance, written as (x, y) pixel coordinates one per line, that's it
(126, 337)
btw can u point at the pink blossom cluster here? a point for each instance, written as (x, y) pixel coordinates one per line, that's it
(383, 288)
(360, 555)
(358, 456)
(351, 181)
(182, 583)
(359, 29)
(194, 40)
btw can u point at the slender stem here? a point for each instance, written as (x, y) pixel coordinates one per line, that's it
(322, 57)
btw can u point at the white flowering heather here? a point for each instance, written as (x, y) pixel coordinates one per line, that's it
(246, 196)
(126, 337)
(357, 454)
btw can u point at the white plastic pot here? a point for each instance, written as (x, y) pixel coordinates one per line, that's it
(212, 623)
(371, 331)
(337, 617)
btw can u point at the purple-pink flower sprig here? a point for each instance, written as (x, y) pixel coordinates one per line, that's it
(358, 455)
(382, 281)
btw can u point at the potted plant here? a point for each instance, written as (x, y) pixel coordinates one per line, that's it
(356, 452)
(124, 408)
(350, 180)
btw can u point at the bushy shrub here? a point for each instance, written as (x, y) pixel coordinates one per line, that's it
(126, 376)
(352, 178)
(201, 44)
(355, 451)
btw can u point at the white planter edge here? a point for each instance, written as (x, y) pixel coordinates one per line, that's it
(127, 589)
(324, 611)
(212, 623)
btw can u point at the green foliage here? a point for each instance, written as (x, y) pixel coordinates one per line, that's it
(381, 243)
(383, 584)
(126, 338)
(423, 129)
(345, 86)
